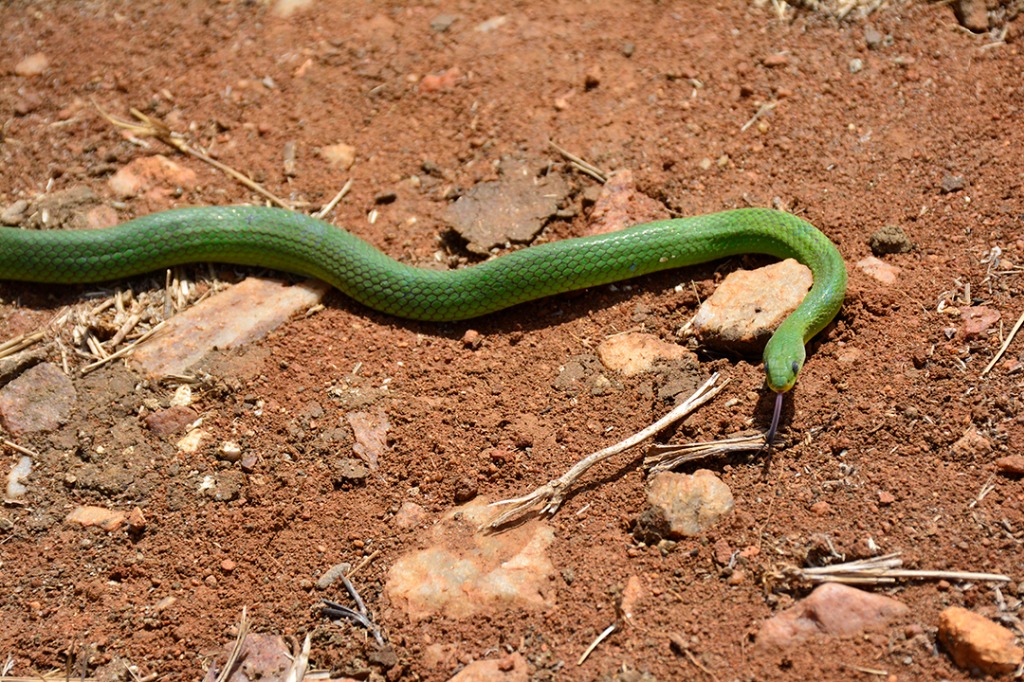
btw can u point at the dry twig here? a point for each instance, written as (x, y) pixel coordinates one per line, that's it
(154, 127)
(236, 650)
(667, 457)
(581, 165)
(885, 570)
(593, 645)
(552, 493)
(1006, 344)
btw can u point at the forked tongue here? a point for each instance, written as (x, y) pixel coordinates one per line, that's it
(773, 429)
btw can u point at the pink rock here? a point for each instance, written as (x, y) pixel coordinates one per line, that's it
(976, 643)
(635, 352)
(620, 205)
(32, 65)
(245, 312)
(831, 609)
(749, 304)
(878, 269)
(151, 172)
(512, 668)
(977, 320)
(107, 519)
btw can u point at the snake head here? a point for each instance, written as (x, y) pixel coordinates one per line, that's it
(782, 362)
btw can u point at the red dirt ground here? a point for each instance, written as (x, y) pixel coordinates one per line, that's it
(663, 89)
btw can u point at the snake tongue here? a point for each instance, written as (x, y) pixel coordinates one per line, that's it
(773, 429)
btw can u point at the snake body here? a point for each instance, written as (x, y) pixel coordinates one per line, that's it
(293, 242)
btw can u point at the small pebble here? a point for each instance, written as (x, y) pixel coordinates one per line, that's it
(952, 183)
(976, 643)
(1011, 464)
(228, 565)
(873, 38)
(856, 65)
(230, 451)
(33, 65)
(472, 339)
(777, 59)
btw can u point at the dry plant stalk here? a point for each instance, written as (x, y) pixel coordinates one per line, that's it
(884, 570)
(552, 493)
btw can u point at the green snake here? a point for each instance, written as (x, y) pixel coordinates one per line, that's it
(284, 240)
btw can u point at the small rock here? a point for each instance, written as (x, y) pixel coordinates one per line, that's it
(156, 176)
(443, 80)
(690, 503)
(228, 565)
(371, 435)
(491, 24)
(831, 609)
(32, 65)
(976, 643)
(972, 444)
(190, 443)
(442, 22)
(465, 490)
(182, 396)
(619, 205)
(331, 575)
(341, 156)
(285, 8)
(632, 593)
(777, 59)
(27, 103)
(821, 508)
(472, 339)
(16, 478)
(749, 304)
(107, 519)
(12, 215)
(890, 239)
(977, 320)
(41, 399)
(885, 498)
(1012, 464)
(512, 668)
(952, 183)
(878, 269)
(229, 451)
(136, 520)
(245, 312)
(350, 470)
(248, 463)
(856, 65)
(972, 14)
(635, 352)
(410, 515)
(463, 572)
(170, 422)
(873, 38)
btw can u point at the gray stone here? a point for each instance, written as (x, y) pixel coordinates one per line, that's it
(41, 399)
(512, 209)
(690, 504)
(890, 239)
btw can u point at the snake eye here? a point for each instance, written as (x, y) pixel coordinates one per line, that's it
(796, 367)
